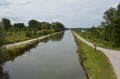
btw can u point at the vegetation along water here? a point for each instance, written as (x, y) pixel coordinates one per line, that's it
(55, 58)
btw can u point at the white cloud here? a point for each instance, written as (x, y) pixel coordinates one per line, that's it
(73, 13)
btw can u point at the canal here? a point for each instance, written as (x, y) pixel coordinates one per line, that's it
(55, 58)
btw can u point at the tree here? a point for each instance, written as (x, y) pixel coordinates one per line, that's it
(116, 31)
(93, 30)
(2, 34)
(116, 28)
(109, 30)
(118, 9)
(110, 15)
(6, 23)
(57, 26)
(39, 25)
(45, 25)
(33, 23)
(19, 25)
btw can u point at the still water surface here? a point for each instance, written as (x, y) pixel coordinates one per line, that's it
(53, 59)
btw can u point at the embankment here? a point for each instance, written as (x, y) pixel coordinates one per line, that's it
(95, 63)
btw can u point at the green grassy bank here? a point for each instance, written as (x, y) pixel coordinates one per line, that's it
(14, 37)
(96, 64)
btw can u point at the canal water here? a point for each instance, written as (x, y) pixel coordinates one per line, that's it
(55, 58)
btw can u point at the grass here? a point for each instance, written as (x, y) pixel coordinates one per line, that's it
(18, 37)
(96, 64)
(99, 42)
(13, 37)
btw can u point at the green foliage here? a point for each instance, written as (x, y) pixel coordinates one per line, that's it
(109, 30)
(29, 34)
(6, 23)
(44, 32)
(15, 36)
(39, 26)
(2, 34)
(19, 25)
(45, 25)
(110, 15)
(33, 23)
(116, 31)
(57, 26)
(18, 32)
(118, 9)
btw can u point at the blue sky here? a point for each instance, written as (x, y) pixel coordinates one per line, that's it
(72, 13)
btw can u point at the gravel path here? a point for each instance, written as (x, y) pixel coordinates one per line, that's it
(114, 56)
(28, 41)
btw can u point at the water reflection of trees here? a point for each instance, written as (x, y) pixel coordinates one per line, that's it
(57, 37)
(3, 74)
(7, 56)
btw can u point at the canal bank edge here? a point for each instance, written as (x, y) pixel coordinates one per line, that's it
(106, 69)
(83, 65)
(27, 41)
(21, 46)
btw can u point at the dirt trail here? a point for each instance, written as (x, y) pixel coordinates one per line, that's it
(114, 56)
(28, 41)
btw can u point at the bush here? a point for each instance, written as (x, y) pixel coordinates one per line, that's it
(44, 32)
(29, 33)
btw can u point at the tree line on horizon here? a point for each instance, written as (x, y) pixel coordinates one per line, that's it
(109, 29)
(34, 24)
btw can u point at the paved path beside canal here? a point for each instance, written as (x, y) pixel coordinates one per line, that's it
(114, 56)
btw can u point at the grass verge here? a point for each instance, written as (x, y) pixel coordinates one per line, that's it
(96, 64)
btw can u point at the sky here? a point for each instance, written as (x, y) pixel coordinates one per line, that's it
(72, 13)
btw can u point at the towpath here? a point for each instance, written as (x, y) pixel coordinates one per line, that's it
(114, 56)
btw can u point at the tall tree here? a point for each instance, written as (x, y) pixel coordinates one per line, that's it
(116, 31)
(6, 23)
(110, 15)
(116, 28)
(118, 9)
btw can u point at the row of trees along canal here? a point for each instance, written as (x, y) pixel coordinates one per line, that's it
(108, 32)
(19, 32)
